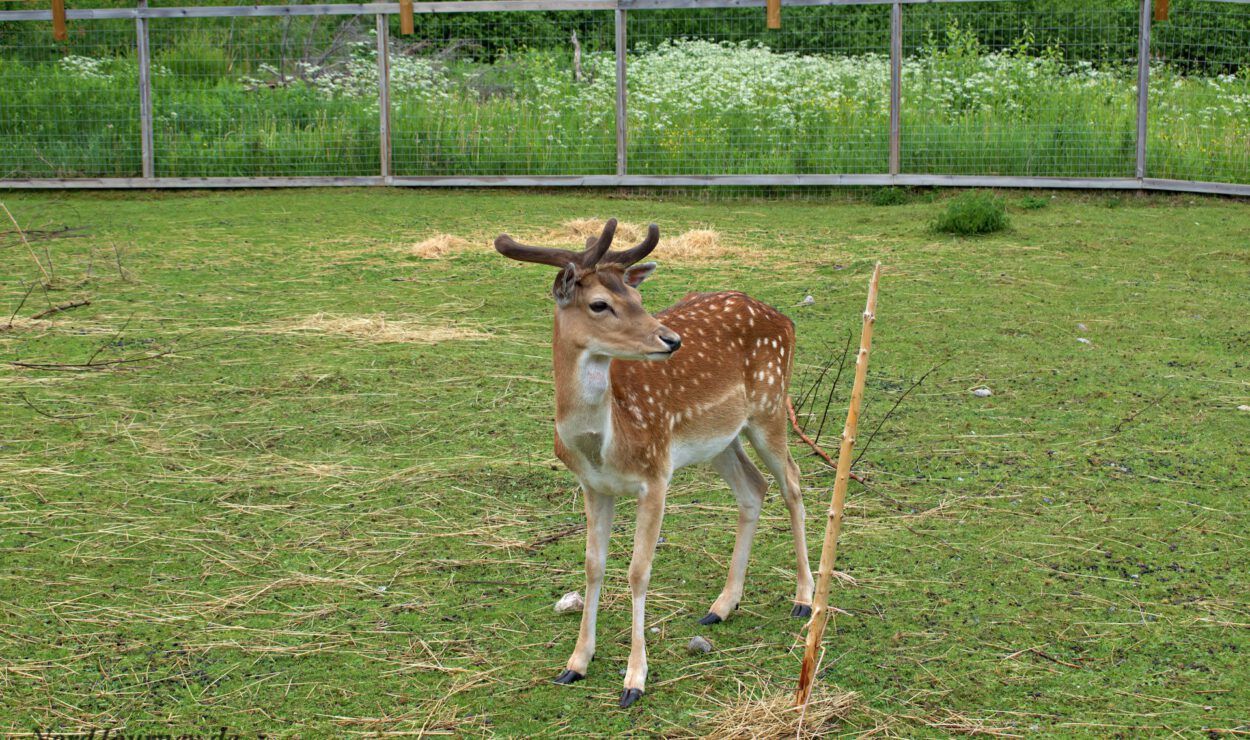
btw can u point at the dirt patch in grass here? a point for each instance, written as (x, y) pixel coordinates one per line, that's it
(379, 328)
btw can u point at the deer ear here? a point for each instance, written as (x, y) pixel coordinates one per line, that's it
(565, 285)
(636, 274)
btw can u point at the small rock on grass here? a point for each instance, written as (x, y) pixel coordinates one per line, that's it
(699, 645)
(570, 602)
(1083, 340)
(982, 392)
(1243, 407)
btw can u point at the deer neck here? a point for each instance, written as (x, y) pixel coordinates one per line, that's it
(583, 382)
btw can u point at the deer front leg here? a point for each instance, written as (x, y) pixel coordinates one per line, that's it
(599, 511)
(646, 535)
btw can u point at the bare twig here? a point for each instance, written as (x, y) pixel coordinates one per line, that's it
(833, 387)
(547, 539)
(41, 412)
(62, 307)
(890, 413)
(29, 290)
(794, 423)
(33, 256)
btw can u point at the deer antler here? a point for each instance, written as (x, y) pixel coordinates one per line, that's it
(596, 248)
(637, 252)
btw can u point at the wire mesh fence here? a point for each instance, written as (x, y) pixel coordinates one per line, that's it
(718, 99)
(478, 98)
(1200, 95)
(1005, 90)
(631, 92)
(265, 97)
(71, 110)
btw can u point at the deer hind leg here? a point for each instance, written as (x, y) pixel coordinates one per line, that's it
(749, 486)
(599, 510)
(771, 442)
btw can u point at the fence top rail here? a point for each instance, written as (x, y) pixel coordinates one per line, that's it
(457, 6)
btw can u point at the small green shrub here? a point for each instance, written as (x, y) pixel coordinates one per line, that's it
(1033, 203)
(888, 197)
(972, 212)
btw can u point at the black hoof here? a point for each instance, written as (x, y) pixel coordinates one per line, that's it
(630, 696)
(568, 677)
(801, 610)
(711, 618)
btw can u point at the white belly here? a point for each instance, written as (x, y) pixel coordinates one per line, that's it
(694, 451)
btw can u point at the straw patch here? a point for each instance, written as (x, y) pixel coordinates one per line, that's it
(694, 245)
(578, 229)
(777, 717)
(440, 246)
(380, 329)
(698, 244)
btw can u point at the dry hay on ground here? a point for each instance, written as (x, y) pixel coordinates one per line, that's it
(440, 246)
(690, 246)
(697, 244)
(379, 328)
(579, 228)
(776, 716)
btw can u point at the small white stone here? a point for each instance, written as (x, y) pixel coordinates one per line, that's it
(570, 602)
(699, 645)
(1243, 407)
(1082, 327)
(807, 301)
(655, 630)
(1083, 340)
(982, 392)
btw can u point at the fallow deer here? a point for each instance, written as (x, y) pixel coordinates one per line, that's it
(639, 396)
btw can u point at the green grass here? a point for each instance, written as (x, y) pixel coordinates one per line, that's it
(302, 533)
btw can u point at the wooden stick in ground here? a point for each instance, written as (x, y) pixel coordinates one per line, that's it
(833, 526)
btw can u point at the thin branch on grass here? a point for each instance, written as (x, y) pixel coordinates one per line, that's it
(47, 278)
(811, 392)
(833, 387)
(41, 412)
(890, 413)
(794, 423)
(91, 364)
(548, 539)
(62, 307)
(117, 257)
(13, 315)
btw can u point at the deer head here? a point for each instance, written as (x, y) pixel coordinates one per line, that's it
(598, 307)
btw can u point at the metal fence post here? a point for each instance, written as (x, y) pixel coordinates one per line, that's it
(1143, 85)
(145, 93)
(384, 94)
(621, 131)
(896, 84)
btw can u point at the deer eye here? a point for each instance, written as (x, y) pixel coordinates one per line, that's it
(599, 306)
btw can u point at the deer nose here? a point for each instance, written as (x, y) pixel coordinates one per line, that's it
(672, 341)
